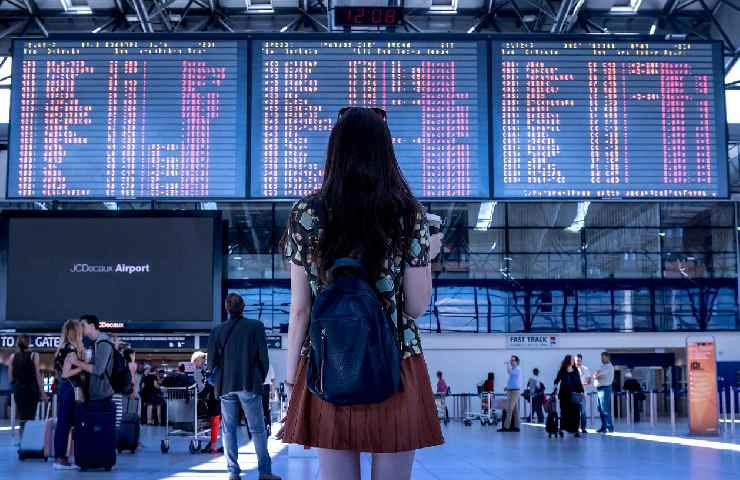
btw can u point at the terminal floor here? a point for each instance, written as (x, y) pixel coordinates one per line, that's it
(470, 453)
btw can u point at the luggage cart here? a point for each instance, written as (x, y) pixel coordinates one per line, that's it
(182, 419)
(443, 414)
(486, 414)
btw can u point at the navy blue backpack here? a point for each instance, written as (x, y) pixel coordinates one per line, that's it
(355, 356)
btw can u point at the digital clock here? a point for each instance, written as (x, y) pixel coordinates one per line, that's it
(372, 16)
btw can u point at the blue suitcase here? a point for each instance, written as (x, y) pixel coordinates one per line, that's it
(95, 436)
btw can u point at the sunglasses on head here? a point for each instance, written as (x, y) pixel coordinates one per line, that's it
(379, 111)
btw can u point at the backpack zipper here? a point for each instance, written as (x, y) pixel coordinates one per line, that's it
(323, 359)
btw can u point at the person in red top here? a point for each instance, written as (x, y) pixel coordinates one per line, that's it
(441, 384)
(488, 385)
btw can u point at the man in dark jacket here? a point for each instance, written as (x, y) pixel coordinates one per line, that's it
(237, 349)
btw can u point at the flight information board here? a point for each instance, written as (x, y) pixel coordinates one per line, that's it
(608, 119)
(106, 118)
(434, 92)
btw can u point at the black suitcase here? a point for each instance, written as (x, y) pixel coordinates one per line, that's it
(128, 433)
(95, 436)
(552, 424)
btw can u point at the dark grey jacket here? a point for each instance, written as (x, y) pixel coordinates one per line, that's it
(243, 360)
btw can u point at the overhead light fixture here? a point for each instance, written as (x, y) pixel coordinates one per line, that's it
(76, 7)
(630, 9)
(110, 205)
(208, 206)
(653, 28)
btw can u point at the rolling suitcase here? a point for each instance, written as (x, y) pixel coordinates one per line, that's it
(95, 436)
(35, 435)
(552, 424)
(128, 433)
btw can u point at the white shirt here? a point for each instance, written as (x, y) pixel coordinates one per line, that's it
(270, 376)
(585, 378)
(605, 375)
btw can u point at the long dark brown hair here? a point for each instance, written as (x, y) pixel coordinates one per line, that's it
(369, 207)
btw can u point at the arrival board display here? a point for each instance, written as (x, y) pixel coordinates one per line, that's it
(104, 118)
(434, 93)
(608, 119)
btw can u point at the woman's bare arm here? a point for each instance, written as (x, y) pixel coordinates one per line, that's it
(300, 307)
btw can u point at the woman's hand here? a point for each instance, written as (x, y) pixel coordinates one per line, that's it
(435, 245)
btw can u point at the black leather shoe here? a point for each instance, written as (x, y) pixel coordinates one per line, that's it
(601, 430)
(503, 430)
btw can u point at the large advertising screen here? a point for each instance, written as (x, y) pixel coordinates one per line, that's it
(701, 358)
(133, 271)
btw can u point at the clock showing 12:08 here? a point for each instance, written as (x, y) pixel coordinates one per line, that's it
(374, 16)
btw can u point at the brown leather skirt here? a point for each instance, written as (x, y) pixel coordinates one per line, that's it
(406, 421)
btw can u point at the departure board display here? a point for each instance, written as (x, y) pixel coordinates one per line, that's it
(608, 119)
(128, 118)
(434, 93)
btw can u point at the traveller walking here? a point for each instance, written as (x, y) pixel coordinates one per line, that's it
(603, 379)
(25, 376)
(570, 394)
(537, 395)
(69, 391)
(238, 353)
(587, 382)
(513, 389)
(365, 215)
(151, 396)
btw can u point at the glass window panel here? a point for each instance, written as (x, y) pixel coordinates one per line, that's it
(542, 214)
(245, 239)
(623, 240)
(733, 151)
(457, 308)
(487, 241)
(698, 265)
(545, 266)
(468, 213)
(681, 309)
(593, 311)
(622, 215)
(271, 305)
(249, 266)
(546, 240)
(486, 266)
(247, 214)
(624, 265)
(4, 105)
(699, 239)
(697, 214)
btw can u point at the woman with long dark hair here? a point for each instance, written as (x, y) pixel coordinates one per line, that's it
(570, 394)
(365, 210)
(25, 375)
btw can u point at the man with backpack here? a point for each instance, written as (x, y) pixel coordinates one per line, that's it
(237, 352)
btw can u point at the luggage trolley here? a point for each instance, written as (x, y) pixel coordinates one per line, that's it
(182, 419)
(486, 414)
(443, 414)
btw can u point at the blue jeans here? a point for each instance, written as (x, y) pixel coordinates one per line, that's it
(252, 405)
(66, 407)
(584, 420)
(604, 396)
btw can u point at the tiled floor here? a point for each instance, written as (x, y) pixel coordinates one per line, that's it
(471, 453)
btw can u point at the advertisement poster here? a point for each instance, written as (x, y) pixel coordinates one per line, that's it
(701, 360)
